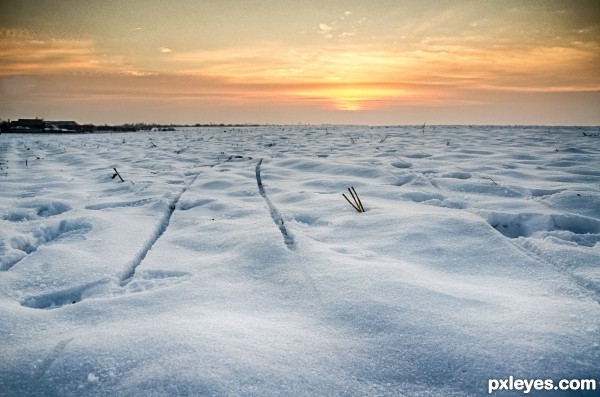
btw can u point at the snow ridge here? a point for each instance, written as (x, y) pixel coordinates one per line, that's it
(277, 218)
(69, 296)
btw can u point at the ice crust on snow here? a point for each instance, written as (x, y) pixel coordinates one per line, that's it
(228, 262)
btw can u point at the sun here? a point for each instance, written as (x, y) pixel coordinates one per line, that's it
(350, 105)
(350, 98)
(354, 98)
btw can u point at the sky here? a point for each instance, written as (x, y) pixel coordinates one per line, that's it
(301, 61)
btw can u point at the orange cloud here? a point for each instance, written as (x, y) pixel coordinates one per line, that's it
(353, 78)
(22, 53)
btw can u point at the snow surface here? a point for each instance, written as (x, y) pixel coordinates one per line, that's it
(228, 262)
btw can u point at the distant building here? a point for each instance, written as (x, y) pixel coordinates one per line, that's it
(62, 126)
(39, 125)
(27, 125)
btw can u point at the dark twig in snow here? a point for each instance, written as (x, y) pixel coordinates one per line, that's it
(357, 205)
(487, 177)
(117, 174)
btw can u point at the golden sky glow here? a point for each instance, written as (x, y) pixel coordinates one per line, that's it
(278, 61)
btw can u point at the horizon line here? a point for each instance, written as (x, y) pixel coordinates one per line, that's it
(300, 124)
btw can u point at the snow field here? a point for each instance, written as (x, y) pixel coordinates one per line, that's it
(228, 263)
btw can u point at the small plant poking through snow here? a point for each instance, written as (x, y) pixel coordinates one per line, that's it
(357, 203)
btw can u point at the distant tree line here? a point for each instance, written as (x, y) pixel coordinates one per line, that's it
(6, 125)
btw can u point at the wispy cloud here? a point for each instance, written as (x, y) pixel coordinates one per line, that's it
(23, 53)
(326, 30)
(347, 34)
(20, 53)
(436, 62)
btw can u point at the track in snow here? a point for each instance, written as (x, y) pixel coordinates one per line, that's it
(51, 358)
(68, 228)
(129, 272)
(277, 218)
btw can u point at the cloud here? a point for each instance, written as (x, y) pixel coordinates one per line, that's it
(324, 28)
(434, 62)
(466, 62)
(348, 73)
(23, 53)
